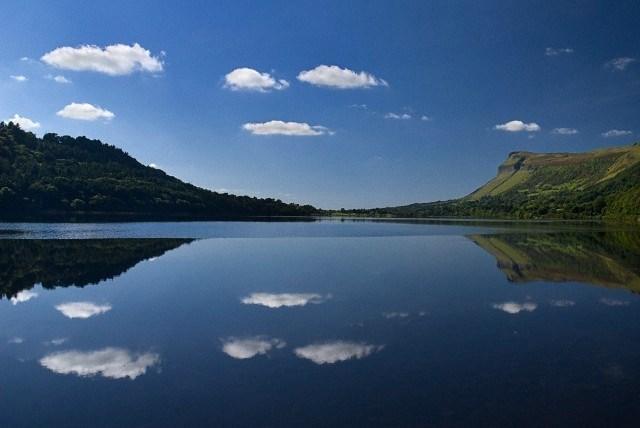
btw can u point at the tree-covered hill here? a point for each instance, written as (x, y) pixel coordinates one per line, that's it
(598, 184)
(65, 178)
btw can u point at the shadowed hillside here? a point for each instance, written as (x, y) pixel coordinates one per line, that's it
(65, 178)
(78, 262)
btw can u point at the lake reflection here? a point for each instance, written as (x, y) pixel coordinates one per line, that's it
(384, 328)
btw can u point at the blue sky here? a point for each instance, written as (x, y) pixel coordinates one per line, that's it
(467, 66)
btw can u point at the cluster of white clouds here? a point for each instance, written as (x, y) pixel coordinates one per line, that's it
(333, 76)
(397, 116)
(557, 51)
(85, 111)
(273, 300)
(336, 351)
(82, 310)
(248, 79)
(564, 131)
(518, 126)
(279, 127)
(114, 60)
(19, 78)
(619, 64)
(515, 307)
(616, 133)
(249, 347)
(23, 296)
(24, 122)
(113, 363)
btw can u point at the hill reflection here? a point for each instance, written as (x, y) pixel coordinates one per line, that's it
(63, 263)
(609, 259)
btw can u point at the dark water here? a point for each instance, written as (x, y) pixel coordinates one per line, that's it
(319, 324)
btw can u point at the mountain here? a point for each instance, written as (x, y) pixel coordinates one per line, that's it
(72, 262)
(606, 258)
(64, 178)
(597, 184)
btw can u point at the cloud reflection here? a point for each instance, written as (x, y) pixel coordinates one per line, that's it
(514, 307)
(562, 303)
(82, 309)
(272, 300)
(249, 347)
(613, 302)
(337, 351)
(113, 363)
(23, 296)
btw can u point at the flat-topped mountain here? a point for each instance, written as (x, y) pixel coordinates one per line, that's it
(599, 183)
(64, 178)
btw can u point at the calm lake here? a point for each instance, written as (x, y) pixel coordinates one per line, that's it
(323, 323)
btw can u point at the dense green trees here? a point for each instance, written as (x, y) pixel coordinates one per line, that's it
(60, 177)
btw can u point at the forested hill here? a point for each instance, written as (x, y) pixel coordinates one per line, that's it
(597, 184)
(64, 178)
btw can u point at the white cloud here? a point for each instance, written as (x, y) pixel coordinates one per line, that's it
(392, 315)
(272, 300)
(334, 352)
(24, 122)
(564, 131)
(153, 165)
(518, 126)
(619, 64)
(58, 78)
(19, 78)
(426, 118)
(85, 111)
(82, 309)
(557, 51)
(113, 363)
(23, 296)
(398, 116)
(25, 58)
(16, 340)
(514, 308)
(56, 342)
(114, 60)
(249, 347)
(333, 76)
(616, 133)
(252, 80)
(613, 302)
(278, 127)
(562, 303)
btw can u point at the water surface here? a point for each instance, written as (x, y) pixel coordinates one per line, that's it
(319, 324)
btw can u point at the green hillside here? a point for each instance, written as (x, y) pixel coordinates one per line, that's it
(598, 184)
(64, 178)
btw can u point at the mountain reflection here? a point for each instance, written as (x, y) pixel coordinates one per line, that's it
(63, 263)
(609, 259)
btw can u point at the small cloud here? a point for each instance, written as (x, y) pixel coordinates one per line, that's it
(114, 60)
(16, 340)
(612, 133)
(153, 165)
(564, 131)
(85, 111)
(272, 300)
(332, 76)
(249, 347)
(337, 351)
(82, 309)
(557, 51)
(397, 116)
(248, 79)
(393, 315)
(112, 363)
(613, 302)
(23, 296)
(515, 308)
(426, 118)
(562, 303)
(25, 58)
(19, 78)
(359, 106)
(518, 126)
(24, 122)
(278, 127)
(58, 78)
(56, 342)
(619, 64)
